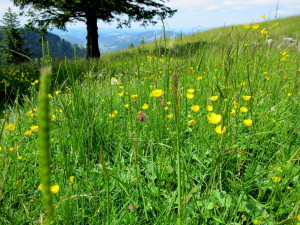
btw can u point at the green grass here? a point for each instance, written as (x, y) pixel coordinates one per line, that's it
(114, 166)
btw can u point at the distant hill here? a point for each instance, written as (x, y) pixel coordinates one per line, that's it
(112, 39)
(59, 48)
(186, 45)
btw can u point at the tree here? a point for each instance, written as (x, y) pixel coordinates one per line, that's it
(13, 41)
(142, 42)
(57, 13)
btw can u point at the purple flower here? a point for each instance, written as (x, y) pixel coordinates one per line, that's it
(142, 117)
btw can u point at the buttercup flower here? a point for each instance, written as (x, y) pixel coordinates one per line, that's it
(145, 106)
(190, 96)
(214, 118)
(54, 189)
(264, 31)
(191, 123)
(170, 116)
(248, 122)
(276, 179)
(10, 127)
(214, 98)
(209, 108)
(244, 109)
(220, 129)
(27, 133)
(195, 108)
(156, 93)
(34, 128)
(246, 97)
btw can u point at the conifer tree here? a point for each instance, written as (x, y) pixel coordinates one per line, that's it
(13, 41)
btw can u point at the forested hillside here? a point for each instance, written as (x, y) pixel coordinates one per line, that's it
(59, 48)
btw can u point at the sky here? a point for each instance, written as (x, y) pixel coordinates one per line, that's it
(196, 15)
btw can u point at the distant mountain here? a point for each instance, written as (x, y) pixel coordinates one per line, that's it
(112, 39)
(59, 48)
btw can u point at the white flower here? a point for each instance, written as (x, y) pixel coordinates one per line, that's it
(113, 81)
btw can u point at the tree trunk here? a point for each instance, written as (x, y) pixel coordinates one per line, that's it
(92, 47)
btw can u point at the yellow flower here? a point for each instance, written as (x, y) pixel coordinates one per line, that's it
(10, 127)
(214, 98)
(244, 109)
(170, 116)
(54, 189)
(53, 117)
(289, 94)
(134, 96)
(298, 217)
(34, 128)
(115, 112)
(214, 118)
(71, 179)
(276, 179)
(191, 90)
(209, 108)
(195, 108)
(263, 17)
(236, 105)
(255, 26)
(190, 96)
(166, 108)
(191, 123)
(199, 78)
(168, 103)
(233, 111)
(111, 115)
(57, 92)
(248, 122)
(246, 26)
(145, 106)
(246, 97)
(11, 149)
(20, 157)
(27, 133)
(264, 31)
(220, 129)
(156, 93)
(121, 94)
(49, 96)
(126, 105)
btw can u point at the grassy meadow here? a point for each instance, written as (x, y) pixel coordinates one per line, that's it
(203, 129)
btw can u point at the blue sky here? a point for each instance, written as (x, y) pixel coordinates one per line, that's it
(198, 14)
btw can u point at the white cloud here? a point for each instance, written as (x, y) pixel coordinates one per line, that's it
(188, 3)
(286, 12)
(212, 7)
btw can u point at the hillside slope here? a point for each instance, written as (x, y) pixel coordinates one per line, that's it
(59, 48)
(190, 44)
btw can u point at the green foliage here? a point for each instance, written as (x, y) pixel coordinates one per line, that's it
(13, 50)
